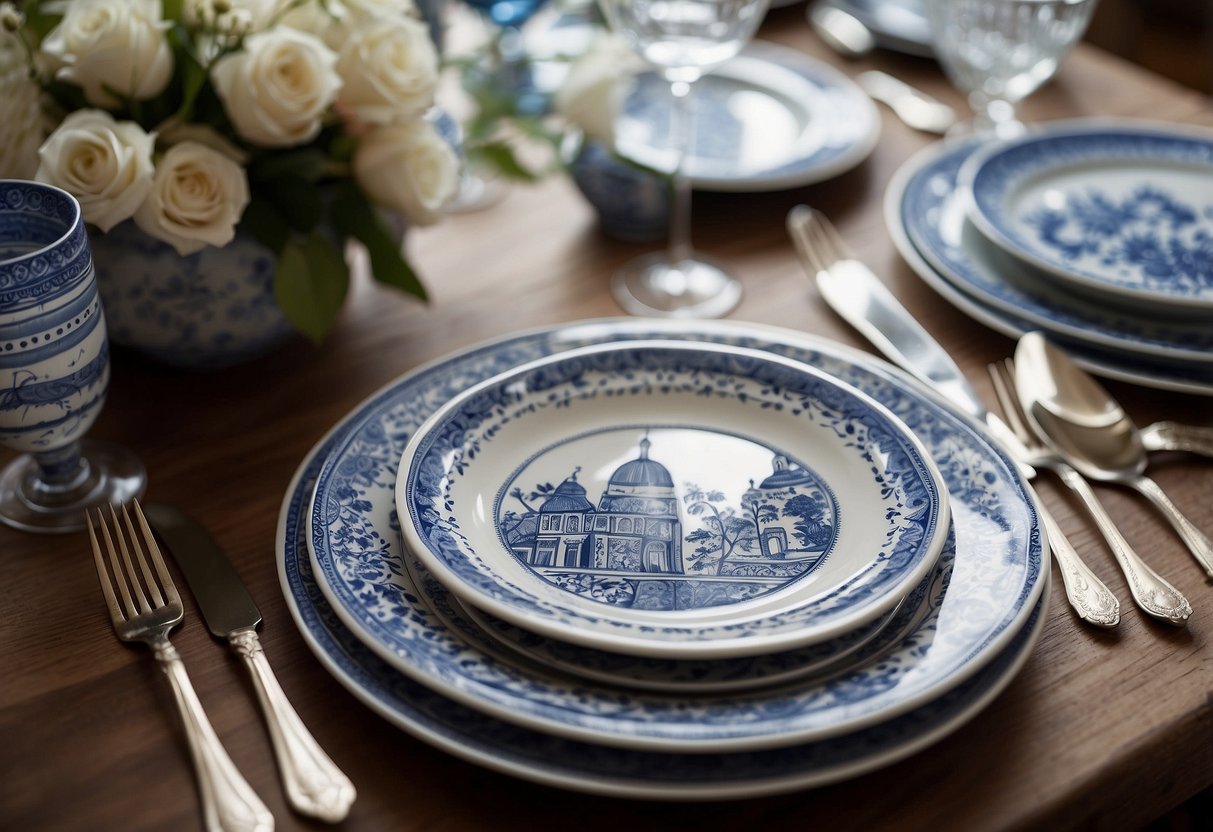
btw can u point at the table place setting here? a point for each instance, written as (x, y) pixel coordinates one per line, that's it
(636, 541)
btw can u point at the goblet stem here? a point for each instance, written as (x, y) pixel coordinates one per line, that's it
(995, 116)
(682, 134)
(59, 472)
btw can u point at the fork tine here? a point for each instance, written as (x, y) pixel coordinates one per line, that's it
(119, 575)
(153, 587)
(107, 587)
(831, 240)
(166, 580)
(801, 223)
(132, 576)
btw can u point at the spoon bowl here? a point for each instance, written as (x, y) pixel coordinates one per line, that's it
(1090, 429)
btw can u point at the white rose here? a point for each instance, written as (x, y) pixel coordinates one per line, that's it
(333, 20)
(277, 87)
(389, 71)
(114, 44)
(173, 132)
(364, 11)
(196, 199)
(21, 131)
(596, 87)
(105, 164)
(407, 168)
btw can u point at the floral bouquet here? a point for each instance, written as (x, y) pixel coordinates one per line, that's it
(298, 122)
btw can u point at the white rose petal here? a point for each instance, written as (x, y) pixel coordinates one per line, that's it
(196, 198)
(277, 87)
(596, 87)
(333, 21)
(119, 45)
(173, 132)
(21, 131)
(105, 164)
(365, 11)
(407, 168)
(389, 71)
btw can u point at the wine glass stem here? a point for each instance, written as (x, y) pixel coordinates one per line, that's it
(681, 124)
(61, 470)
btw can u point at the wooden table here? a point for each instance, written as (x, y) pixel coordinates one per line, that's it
(1100, 730)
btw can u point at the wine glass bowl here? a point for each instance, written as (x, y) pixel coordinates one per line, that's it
(683, 40)
(54, 366)
(1001, 51)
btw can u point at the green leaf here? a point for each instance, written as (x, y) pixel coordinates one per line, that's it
(308, 165)
(310, 284)
(193, 77)
(354, 216)
(298, 202)
(501, 157)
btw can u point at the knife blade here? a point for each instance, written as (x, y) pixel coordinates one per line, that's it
(854, 291)
(313, 784)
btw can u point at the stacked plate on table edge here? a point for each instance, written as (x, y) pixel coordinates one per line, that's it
(543, 584)
(1097, 232)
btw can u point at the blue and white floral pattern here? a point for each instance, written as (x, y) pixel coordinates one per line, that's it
(209, 310)
(54, 358)
(771, 118)
(1127, 212)
(660, 563)
(996, 575)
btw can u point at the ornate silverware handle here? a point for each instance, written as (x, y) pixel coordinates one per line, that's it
(229, 803)
(1151, 592)
(1093, 601)
(313, 783)
(1173, 436)
(1197, 541)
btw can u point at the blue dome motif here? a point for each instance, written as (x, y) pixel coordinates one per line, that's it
(642, 471)
(569, 496)
(786, 475)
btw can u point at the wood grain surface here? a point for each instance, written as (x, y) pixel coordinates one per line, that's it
(1099, 731)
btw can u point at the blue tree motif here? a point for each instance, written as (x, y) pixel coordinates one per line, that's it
(723, 531)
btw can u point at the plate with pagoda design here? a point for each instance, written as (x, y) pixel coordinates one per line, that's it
(674, 500)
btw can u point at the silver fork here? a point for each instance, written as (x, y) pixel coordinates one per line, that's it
(149, 609)
(1151, 592)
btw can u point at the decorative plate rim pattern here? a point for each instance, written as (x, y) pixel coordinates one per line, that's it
(910, 486)
(993, 173)
(825, 162)
(928, 664)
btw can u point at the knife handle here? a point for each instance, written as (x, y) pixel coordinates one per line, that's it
(314, 785)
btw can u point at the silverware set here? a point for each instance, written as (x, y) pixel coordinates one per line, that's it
(144, 606)
(1056, 417)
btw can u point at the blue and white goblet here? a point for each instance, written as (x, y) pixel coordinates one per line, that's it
(54, 366)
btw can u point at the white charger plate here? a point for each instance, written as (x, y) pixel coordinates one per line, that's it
(599, 496)
(358, 559)
(771, 118)
(1119, 210)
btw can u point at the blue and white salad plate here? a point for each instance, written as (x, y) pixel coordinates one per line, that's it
(675, 500)
(996, 567)
(927, 222)
(1122, 211)
(769, 119)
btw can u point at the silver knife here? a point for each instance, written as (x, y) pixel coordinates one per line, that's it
(314, 785)
(857, 294)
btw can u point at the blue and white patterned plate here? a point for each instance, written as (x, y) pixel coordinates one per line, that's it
(520, 752)
(679, 675)
(1121, 211)
(769, 119)
(668, 499)
(931, 208)
(359, 563)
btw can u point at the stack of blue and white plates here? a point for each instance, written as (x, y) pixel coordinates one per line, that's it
(1099, 233)
(675, 560)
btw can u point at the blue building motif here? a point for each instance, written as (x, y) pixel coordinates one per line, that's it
(635, 528)
(628, 550)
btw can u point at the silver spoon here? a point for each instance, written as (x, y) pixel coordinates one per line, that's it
(913, 106)
(1093, 432)
(842, 32)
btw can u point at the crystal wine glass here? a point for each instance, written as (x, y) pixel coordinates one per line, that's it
(1001, 51)
(684, 40)
(54, 367)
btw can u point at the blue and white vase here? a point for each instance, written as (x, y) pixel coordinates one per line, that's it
(633, 204)
(211, 309)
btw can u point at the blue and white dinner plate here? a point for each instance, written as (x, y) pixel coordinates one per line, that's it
(669, 499)
(1122, 211)
(771, 118)
(678, 675)
(928, 227)
(358, 560)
